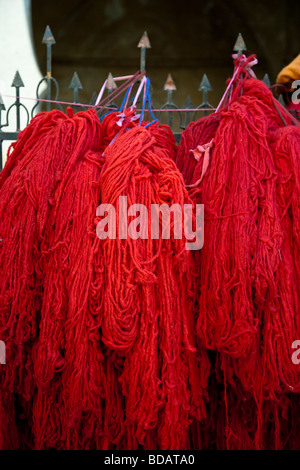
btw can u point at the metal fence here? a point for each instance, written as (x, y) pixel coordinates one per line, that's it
(185, 114)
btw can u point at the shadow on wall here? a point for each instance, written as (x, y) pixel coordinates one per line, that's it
(95, 37)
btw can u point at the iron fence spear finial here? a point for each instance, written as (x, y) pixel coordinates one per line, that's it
(170, 86)
(48, 37)
(17, 81)
(266, 80)
(240, 45)
(75, 85)
(205, 87)
(111, 84)
(49, 40)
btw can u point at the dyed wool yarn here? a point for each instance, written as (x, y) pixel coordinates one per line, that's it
(87, 391)
(148, 303)
(284, 329)
(104, 350)
(285, 143)
(67, 356)
(48, 148)
(275, 286)
(113, 125)
(226, 320)
(233, 418)
(238, 190)
(248, 280)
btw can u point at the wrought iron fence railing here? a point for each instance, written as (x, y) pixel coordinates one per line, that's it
(50, 97)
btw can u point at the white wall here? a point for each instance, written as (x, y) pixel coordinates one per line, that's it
(17, 53)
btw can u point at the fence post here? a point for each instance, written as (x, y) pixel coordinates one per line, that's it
(143, 45)
(49, 40)
(17, 84)
(75, 85)
(169, 87)
(188, 104)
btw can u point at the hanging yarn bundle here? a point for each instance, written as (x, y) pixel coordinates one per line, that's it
(148, 304)
(285, 143)
(249, 275)
(286, 328)
(269, 274)
(275, 287)
(68, 360)
(47, 150)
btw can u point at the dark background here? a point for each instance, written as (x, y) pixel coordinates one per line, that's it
(188, 38)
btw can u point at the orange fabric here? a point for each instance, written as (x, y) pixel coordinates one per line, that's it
(289, 73)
